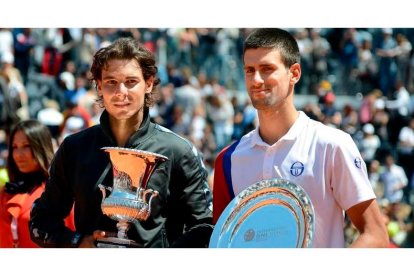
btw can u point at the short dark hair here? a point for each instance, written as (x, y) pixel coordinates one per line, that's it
(40, 141)
(277, 39)
(127, 48)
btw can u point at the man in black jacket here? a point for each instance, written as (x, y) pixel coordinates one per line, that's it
(125, 78)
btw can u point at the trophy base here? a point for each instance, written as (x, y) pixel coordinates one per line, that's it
(113, 242)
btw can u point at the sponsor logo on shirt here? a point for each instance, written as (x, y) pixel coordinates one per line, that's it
(297, 168)
(358, 162)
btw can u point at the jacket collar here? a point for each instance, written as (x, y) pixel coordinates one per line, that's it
(137, 137)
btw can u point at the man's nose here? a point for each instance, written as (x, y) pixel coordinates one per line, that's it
(257, 77)
(121, 89)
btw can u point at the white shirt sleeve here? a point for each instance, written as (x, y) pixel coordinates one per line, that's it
(349, 180)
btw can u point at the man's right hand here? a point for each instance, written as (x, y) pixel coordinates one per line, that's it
(89, 240)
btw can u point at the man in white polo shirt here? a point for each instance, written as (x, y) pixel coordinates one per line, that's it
(288, 144)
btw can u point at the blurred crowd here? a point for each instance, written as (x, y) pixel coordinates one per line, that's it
(44, 75)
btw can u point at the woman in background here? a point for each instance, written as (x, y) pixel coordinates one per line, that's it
(30, 153)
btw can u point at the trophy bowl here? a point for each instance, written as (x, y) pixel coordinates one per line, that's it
(129, 200)
(272, 213)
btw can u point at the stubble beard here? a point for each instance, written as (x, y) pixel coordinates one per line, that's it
(267, 103)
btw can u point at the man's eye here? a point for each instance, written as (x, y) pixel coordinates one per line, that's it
(248, 70)
(267, 69)
(131, 82)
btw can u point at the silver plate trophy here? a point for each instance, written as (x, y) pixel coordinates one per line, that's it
(130, 200)
(273, 213)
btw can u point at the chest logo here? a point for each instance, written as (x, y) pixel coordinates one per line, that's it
(358, 162)
(297, 168)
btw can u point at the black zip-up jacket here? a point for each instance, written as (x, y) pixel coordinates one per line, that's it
(180, 215)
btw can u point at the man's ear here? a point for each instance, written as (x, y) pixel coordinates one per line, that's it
(99, 87)
(149, 84)
(295, 71)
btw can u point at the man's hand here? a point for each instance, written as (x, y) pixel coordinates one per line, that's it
(89, 241)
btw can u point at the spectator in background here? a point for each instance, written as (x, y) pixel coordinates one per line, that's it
(406, 154)
(67, 82)
(72, 125)
(401, 100)
(394, 179)
(74, 109)
(324, 87)
(329, 110)
(320, 55)
(220, 113)
(51, 117)
(17, 91)
(398, 110)
(367, 67)
(6, 41)
(8, 115)
(187, 96)
(181, 123)
(369, 144)
(24, 42)
(349, 59)
(406, 141)
(387, 65)
(374, 174)
(350, 120)
(165, 106)
(30, 153)
(402, 56)
(368, 106)
(380, 121)
(197, 125)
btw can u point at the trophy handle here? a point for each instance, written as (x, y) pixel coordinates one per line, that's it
(103, 189)
(100, 180)
(152, 195)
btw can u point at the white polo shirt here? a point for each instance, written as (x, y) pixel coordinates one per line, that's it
(323, 160)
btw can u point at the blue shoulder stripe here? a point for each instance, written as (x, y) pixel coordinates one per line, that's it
(227, 167)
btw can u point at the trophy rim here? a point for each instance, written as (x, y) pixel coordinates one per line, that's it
(269, 193)
(136, 151)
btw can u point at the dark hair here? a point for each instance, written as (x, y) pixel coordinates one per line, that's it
(40, 141)
(277, 39)
(127, 48)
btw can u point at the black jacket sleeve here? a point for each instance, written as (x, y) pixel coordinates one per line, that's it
(195, 201)
(47, 227)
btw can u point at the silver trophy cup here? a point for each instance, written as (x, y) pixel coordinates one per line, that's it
(130, 200)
